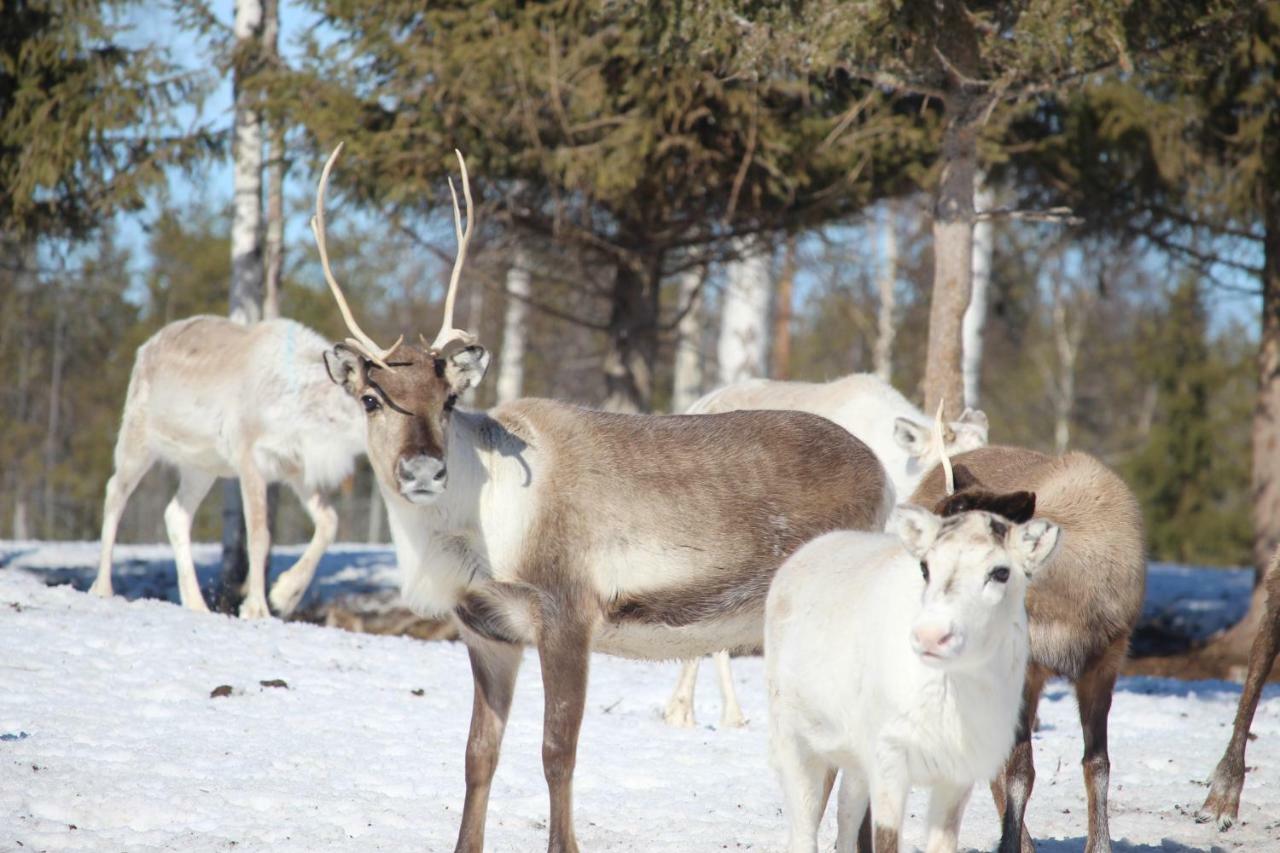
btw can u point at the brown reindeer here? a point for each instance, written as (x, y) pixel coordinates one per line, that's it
(1223, 803)
(1082, 607)
(571, 530)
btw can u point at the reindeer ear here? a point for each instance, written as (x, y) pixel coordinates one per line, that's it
(915, 526)
(345, 367)
(464, 367)
(971, 430)
(1018, 507)
(963, 477)
(1033, 544)
(911, 436)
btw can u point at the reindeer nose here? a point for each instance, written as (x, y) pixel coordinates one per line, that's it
(421, 473)
(935, 640)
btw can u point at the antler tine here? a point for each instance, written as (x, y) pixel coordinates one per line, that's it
(359, 339)
(947, 473)
(447, 330)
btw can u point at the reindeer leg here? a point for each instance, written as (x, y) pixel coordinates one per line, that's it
(564, 647)
(132, 460)
(806, 783)
(289, 588)
(1094, 689)
(253, 492)
(946, 807)
(853, 815)
(679, 712)
(178, 515)
(1223, 803)
(493, 669)
(731, 712)
(1013, 788)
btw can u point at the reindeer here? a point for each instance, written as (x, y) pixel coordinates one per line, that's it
(1222, 805)
(217, 399)
(545, 524)
(898, 659)
(1082, 606)
(869, 408)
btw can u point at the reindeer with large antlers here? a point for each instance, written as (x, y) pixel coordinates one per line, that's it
(545, 524)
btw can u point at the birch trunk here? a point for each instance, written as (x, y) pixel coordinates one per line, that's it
(510, 383)
(975, 316)
(688, 373)
(886, 287)
(247, 270)
(744, 317)
(275, 175)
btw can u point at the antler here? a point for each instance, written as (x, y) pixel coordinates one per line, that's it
(947, 473)
(359, 340)
(447, 332)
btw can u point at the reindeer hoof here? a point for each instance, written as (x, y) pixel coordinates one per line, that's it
(254, 610)
(101, 589)
(285, 599)
(680, 718)
(733, 721)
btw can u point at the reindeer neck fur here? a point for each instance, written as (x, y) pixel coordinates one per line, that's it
(460, 540)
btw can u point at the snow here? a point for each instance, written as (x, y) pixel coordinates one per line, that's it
(107, 726)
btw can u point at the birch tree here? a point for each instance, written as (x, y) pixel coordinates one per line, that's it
(975, 316)
(688, 373)
(247, 271)
(744, 316)
(510, 383)
(886, 288)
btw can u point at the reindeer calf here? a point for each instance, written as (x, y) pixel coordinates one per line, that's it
(899, 660)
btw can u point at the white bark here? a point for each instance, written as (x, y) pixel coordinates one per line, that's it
(975, 316)
(510, 384)
(688, 378)
(886, 285)
(246, 223)
(275, 177)
(744, 317)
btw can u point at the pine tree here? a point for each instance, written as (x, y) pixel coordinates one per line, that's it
(637, 136)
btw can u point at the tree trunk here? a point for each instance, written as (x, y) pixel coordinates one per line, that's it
(275, 174)
(1235, 643)
(744, 317)
(1066, 341)
(53, 424)
(246, 267)
(952, 254)
(886, 286)
(688, 373)
(510, 384)
(633, 338)
(783, 312)
(975, 316)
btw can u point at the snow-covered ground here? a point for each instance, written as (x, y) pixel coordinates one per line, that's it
(110, 740)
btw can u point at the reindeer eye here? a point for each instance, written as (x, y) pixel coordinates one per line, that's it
(924, 570)
(450, 402)
(371, 403)
(1000, 574)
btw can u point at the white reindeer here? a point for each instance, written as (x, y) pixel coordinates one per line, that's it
(869, 408)
(898, 660)
(540, 523)
(215, 399)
